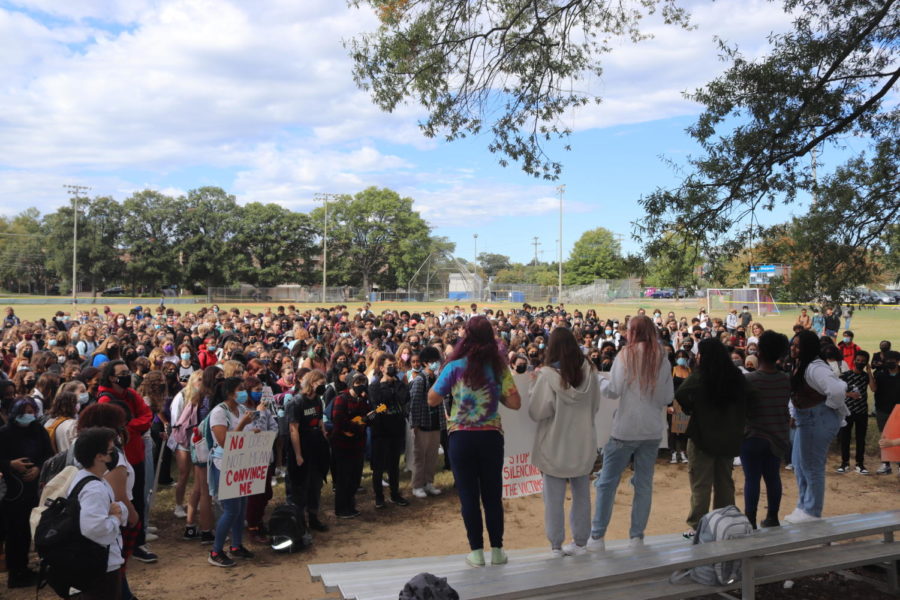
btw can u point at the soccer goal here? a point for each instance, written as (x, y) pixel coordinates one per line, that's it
(759, 301)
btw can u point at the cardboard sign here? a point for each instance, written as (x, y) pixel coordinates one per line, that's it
(245, 463)
(679, 419)
(892, 432)
(520, 477)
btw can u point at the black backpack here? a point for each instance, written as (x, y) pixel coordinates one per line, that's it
(68, 559)
(287, 528)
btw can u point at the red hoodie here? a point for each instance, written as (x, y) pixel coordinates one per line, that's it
(207, 358)
(141, 417)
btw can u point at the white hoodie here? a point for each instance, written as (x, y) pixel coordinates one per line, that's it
(566, 443)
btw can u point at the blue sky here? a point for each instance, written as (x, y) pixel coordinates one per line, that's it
(257, 98)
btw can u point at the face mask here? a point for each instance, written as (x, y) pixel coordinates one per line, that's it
(83, 398)
(210, 348)
(435, 366)
(404, 357)
(414, 344)
(113, 461)
(25, 420)
(256, 397)
(185, 356)
(168, 348)
(29, 383)
(738, 362)
(540, 346)
(27, 353)
(405, 329)
(74, 356)
(847, 340)
(123, 380)
(359, 390)
(391, 371)
(608, 331)
(241, 397)
(320, 389)
(280, 413)
(51, 343)
(120, 321)
(521, 368)
(681, 362)
(344, 334)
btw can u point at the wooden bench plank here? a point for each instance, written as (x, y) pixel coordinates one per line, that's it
(594, 568)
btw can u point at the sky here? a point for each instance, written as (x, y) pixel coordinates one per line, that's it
(257, 98)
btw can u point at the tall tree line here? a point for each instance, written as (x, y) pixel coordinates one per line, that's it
(206, 239)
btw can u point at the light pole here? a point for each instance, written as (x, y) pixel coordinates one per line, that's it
(560, 190)
(75, 191)
(475, 256)
(324, 199)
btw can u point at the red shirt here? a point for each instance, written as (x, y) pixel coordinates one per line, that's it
(849, 351)
(141, 417)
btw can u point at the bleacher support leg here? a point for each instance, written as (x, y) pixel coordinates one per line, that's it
(893, 566)
(748, 586)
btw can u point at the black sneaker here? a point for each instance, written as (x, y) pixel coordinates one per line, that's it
(399, 500)
(843, 468)
(143, 554)
(21, 579)
(207, 537)
(220, 559)
(316, 525)
(348, 515)
(191, 533)
(770, 522)
(379, 503)
(241, 552)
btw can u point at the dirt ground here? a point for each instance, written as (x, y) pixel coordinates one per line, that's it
(434, 527)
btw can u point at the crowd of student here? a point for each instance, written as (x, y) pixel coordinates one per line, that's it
(118, 394)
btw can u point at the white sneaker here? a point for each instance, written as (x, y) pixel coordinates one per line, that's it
(431, 490)
(737, 461)
(384, 483)
(800, 516)
(674, 460)
(419, 493)
(151, 537)
(596, 545)
(152, 529)
(684, 459)
(556, 553)
(180, 511)
(574, 549)
(636, 542)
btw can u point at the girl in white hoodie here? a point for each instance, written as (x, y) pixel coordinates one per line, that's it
(564, 401)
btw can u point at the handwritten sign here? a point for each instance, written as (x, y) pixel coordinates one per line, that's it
(892, 431)
(520, 477)
(245, 463)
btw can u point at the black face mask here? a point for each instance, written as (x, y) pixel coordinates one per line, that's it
(74, 356)
(391, 371)
(359, 390)
(124, 380)
(320, 389)
(521, 368)
(113, 461)
(27, 353)
(340, 364)
(29, 383)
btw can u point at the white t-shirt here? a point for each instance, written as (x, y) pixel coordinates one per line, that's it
(65, 433)
(222, 415)
(95, 521)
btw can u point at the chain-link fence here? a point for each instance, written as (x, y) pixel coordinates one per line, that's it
(602, 290)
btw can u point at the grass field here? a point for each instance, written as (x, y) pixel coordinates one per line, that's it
(869, 325)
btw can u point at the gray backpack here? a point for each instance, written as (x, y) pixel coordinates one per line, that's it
(727, 523)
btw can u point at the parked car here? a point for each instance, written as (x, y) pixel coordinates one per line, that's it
(895, 296)
(881, 297)
(659, 294)
(116, 290)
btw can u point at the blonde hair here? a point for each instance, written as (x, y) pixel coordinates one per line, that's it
(191, 394)
(643, 353)
(310, 381)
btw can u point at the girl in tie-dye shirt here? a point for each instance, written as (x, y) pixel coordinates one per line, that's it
(473, 409)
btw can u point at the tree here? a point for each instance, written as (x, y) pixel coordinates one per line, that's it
(275, 244)
(491, 263)
(374, 235)
(596, 255)
(23, 261)
(100, 241)
(675, 260)
(825, 80)
(149, 237)
(503, 65)
(205, 235)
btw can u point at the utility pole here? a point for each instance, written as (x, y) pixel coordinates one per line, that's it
(535, 243)
(324, 199)
(560, 190)
(75, 191)
(475, 261)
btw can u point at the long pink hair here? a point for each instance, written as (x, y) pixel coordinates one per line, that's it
(643, 353)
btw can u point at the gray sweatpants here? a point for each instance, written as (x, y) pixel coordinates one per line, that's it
(554, 509)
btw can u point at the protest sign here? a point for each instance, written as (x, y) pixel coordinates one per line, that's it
(520, 477)
(245, 463)
(892, 432)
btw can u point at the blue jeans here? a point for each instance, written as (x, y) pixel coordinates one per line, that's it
(816, 427)
(616, 456)
(759, 462)
(233, 512)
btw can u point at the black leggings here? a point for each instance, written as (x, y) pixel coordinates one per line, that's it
(477, 461)
(758, 461)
